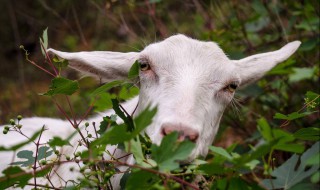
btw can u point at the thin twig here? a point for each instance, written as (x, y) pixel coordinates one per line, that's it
(63, 113)
(45, 186)
(36, 158)
(71, 111)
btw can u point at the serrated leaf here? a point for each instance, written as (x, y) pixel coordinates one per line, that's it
(57, 141)
(170, 152)
(27, 155)
(128, 92)
(288, 174)
(43, 152)
(107, 121)
(104, 101)
(60, 85)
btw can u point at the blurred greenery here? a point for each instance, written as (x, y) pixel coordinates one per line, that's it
(241, 28)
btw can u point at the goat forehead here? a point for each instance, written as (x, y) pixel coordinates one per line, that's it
(180, 50)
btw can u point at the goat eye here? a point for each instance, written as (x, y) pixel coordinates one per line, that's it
(144, 66)
(231, 87)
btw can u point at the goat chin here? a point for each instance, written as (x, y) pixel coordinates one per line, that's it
(62, 129)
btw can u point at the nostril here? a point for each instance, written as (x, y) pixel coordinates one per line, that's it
(185, 132)
(192, 137)
(167, 129)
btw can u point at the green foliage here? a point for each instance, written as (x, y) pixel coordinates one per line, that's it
(44, 41)
(57, 141)
(21, 177)
(287, 175)
(134, 70)
(124, 132)
(60, 85)
(106, 87)
(141, 180)
(170, 152)
(292, 116)
(29, 158)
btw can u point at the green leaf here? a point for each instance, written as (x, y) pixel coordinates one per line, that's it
(314, 160)
(14, 175)
(107, 121)
(301, 74)
(285, 142)
(57, 141)
(213, 168)
(25, 154)
(265, 129)
(128, 92)
(104, 101)
(60, 63)
(60, 85)
(312, 100)
(134, 146)
(44, 41)
(309, 44)
(144, 119)
(16, 147)
(289, 174)
(254, 154)
(141, 180)
(290, 147)
(126, 118)
(106, 87)
(221, 151)
(134, 70)
(170, 151)
(238, 183)
(315, 178)
(114, 135)
(310, 133)
(119, 134)
(292, 116)
(43, 152)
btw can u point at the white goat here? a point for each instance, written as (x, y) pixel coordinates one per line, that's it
(191, 82)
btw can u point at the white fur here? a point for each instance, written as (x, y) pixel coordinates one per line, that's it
(186, 82)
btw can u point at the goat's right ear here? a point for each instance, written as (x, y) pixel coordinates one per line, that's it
(105, 65)
(254, 67)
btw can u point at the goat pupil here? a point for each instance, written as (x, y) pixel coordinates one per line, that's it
(233, 86)
(144, 66)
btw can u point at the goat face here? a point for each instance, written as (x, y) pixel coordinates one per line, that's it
(191, 82)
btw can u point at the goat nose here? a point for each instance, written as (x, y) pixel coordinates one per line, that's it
(184, 132)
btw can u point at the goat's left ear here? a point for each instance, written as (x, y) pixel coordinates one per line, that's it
(254, 67)
(105, 65)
